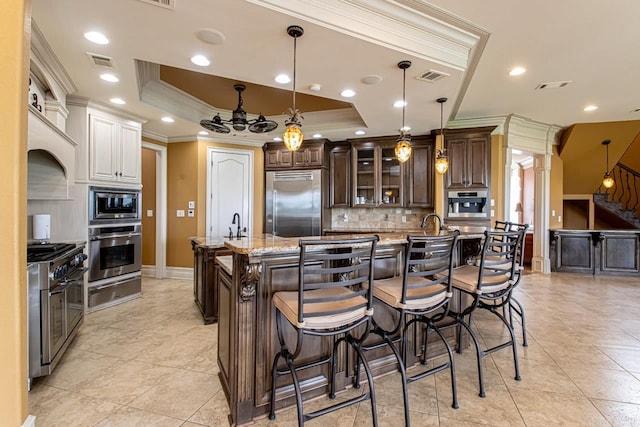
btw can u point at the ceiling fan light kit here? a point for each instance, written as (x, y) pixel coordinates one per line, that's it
(239, 120)
(403, 146)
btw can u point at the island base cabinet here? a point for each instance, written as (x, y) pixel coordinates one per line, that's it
(248, 339)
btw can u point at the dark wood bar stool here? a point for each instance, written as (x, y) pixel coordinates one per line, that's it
(334, 297)
(421, 297)
(490, 284)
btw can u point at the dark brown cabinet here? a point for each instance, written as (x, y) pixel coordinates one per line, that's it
(340, 177)
(420, 175)
(277, 156)
(469, 153)
(205, 280)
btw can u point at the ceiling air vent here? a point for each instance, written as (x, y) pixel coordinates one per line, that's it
(432, 76)
(101, 61)
(552, 85)
(169, 4)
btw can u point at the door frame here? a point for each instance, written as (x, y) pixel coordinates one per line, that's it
(210, 152)
(161, 208)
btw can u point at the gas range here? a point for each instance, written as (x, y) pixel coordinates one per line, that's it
(39, 252)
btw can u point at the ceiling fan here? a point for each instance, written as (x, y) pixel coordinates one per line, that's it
(239, 120)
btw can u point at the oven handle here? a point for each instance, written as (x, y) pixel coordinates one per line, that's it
(108, 285)
(114, 236)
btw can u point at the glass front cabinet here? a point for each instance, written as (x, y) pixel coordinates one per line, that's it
(377, 176)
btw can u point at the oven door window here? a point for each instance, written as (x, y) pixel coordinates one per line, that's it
(117, 257)
(116, 204)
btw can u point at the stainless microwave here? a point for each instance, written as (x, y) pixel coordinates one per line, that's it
(114, 205)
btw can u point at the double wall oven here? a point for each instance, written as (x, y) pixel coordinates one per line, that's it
(115, 246)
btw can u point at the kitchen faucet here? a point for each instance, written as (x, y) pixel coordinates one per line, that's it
(426, 218)
(234, 221)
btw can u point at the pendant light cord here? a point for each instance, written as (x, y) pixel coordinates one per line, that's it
(295, 39)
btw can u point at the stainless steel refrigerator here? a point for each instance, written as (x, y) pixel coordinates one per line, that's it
(293, 203)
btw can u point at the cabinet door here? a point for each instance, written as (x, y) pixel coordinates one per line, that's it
(340, 178)
(391, 182)
(421, 177)
(278, 158)
(456, 176)
(478, 168)
(315, 155)
(103, 148)
(129, 154)
(364, 176)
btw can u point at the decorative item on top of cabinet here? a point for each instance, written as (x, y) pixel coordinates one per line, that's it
(115, 149)
(277, 156)
(340, 176)
(420, 174)
(469, 152)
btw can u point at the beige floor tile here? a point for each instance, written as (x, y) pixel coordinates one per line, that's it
(572, 356)
(78, 367)
(392, 416)
(538, 375)
(214, 413)
(341, 418)
(627, 357)
(619, 414)
(540, 408)
(132, 417)
(451, 422)
(41, 394)
(74, 409)
(178, 395)
(620, 386)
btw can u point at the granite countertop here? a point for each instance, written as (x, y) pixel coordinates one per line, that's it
(269, 244)
(211, 242)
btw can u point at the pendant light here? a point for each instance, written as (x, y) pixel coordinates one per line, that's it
(607, 180)
(292, 136)
(403, 146)
(442, 163)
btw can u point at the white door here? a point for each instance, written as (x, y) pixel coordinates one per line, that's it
(230, 191)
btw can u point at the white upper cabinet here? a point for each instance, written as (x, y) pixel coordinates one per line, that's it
(114, 150)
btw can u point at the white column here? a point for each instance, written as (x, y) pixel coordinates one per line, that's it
(542, 167)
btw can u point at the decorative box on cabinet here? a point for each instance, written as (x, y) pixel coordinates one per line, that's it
(114, 150)
(340, 177)
(469, 154)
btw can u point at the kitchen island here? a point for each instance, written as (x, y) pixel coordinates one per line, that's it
(247, 340)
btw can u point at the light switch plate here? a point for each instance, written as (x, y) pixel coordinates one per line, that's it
(149, 213)
(192, 204)
(191, 213)
(404, 218)
(180, 213)
(553, 212)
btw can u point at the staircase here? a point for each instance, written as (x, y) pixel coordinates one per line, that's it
(620, 205)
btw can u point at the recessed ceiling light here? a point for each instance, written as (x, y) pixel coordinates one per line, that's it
(590, 108)
(371, 80)
(108, 77)
(167, 119)
(200, 60)
(277, 139)
(400, 104)
(203, 132)
(96, 37)
(348, 93)
(517, 71)
(118, 101)
(317, 135)
(406, 129)
(315, 87)
(360, 132)
(282, 79)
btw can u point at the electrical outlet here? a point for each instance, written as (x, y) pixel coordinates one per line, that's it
(553, 212)
(191, 213)
(149, 213)
(559, 218)
(192, 204)
(408, 211)
(492, 213)
(403, 218)
(180, 213)
(493, 203)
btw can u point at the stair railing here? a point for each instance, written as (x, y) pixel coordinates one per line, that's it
(626, 188)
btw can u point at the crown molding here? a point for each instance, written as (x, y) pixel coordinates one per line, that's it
(47, 63)
(530, 135)
(237, 140)
(476, 122)
(155, 135)
(81, 101)
(410, 26)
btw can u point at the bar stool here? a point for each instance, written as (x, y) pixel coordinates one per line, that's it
(334, 297)
(423, 298)
(490, 285)
(514, 304)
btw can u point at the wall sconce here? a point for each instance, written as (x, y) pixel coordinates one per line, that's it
(442, 163)
(607, 180)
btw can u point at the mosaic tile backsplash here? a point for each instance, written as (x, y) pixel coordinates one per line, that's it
(378, 219)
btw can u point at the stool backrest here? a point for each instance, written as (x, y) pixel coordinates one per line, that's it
(498, 261)
(426, 258)
(514, 226)
(332, 264)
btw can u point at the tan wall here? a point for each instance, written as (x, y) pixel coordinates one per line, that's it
(584, 155)
(187, 180)
(497, 177)
(556, 191)
(631, 157)
(14, 66)
(148, 202)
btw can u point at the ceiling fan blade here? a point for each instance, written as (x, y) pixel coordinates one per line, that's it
(262, 125)
(214, 126)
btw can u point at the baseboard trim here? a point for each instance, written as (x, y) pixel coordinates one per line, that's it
(179, 273)
(148, 270)
(30, 421)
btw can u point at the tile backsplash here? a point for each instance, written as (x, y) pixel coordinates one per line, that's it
(378, 219)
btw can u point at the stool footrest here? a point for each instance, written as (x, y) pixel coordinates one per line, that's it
(324, 411)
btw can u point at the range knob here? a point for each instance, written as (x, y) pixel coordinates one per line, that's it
(78, 259)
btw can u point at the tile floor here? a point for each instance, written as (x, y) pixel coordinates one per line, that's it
(151, 362)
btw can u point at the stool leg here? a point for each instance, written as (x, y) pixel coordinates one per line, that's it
(478, 355)
(452, 368)
(372, 396)
(274, 376)
(298, 390)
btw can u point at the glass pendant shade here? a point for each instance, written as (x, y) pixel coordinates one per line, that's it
(292, 137)
(607, 181)
(403, 150)
(442, 163)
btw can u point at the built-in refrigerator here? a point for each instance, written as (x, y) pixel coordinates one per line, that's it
(293, 203)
